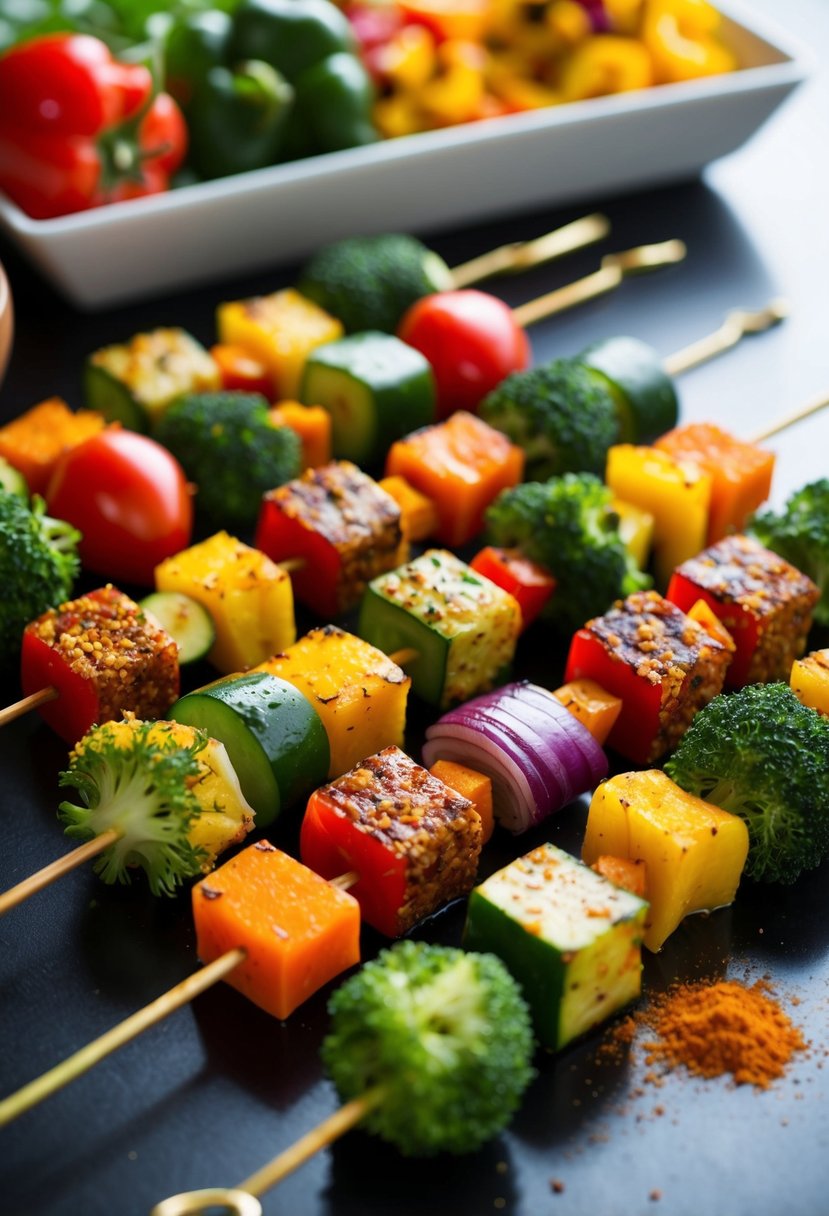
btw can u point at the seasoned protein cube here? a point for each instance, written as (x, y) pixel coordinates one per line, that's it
(693, 852)
(571, 939)
(359, 693)
(248, 596)
(103, 656)
(298, 930)
(810, 680)
(412, 843)
(34, 442)
(280, 330)
(134, 382)
(662, 664)
(338, 527)
(459, 628)
(764, 602)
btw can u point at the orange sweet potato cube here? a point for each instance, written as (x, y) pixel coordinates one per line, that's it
(299, 931)
(461, 464)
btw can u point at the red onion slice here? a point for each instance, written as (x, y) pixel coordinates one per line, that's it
(538, 756)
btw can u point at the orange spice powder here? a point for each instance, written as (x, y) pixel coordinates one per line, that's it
(713, 1029)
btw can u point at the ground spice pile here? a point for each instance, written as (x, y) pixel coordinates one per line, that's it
(713, 1029)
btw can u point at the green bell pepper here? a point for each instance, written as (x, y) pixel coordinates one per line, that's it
(291, 35)
(238, 119)
(192, 46)
(334, 102)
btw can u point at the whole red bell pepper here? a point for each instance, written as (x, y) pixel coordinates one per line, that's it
(79, 129)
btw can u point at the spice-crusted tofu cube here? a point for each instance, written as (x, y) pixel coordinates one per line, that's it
(34, 442)
(248, 596)
(340, 528)
(280, 330)
(103, 656)
(134, 382)
(763, 601)
(571, 939)
(358, 692)
(662, 664)
(693, 852)
(298, 930)
(413, 843)
(461, 628)
(809, 680)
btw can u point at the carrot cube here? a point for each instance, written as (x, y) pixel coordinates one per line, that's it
(33, 442)
(462, 464)
(312, 424)
(477, 787)
(592, 705)
(299, 931)
(419, 513)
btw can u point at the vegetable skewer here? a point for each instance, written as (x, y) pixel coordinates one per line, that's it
(522, 255)
(463, 1094)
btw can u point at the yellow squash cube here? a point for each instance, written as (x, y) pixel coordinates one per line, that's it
(280, 330)
(359, 693)
(636, 531)
(676, 493)
(248, 596)
(810, 680)
(694, 852)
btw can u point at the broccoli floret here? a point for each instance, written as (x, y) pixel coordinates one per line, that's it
(800, 534)
(446, 1037)
(760, 754)
(568, 525)
(138, 780)
(368, 282)
(227, 444)
(562, 414)
(38, 564)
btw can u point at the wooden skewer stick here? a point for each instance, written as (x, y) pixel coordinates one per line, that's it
(87, 1057)
(805, 411)
(613, 269)
(79, 1063)
(236, 1199)
(736, 326)
(18, 708)
(56, 869)
(522, 255)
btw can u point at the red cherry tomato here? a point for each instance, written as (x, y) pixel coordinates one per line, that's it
(472, 342)
(128, 496)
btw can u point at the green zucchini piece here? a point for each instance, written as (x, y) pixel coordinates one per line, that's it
(376, 389)
(134, 382)
(462, 627)
(186, 620)
(275, 738)
(12, 480)
(644, 393)
(571, 939)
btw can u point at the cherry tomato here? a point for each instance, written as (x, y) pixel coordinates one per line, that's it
(129, 498)
(472, 342)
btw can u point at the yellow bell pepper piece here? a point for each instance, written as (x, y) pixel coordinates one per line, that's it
(419, 514)
(636, 531)
(810, 680)
(408, 59)
(606, 63)
(455, 94)
(676, 493)
(280, 330)
(399, 114)
(358, 692)
(248, 596)
(694, 852)
(681, 38)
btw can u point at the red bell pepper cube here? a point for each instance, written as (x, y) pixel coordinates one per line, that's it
(413, 842)
(339, 527)
(526, 581)
(663, 665)
(763, 601)
(103, 657)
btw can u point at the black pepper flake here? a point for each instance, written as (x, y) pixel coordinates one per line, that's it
(210, 892)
